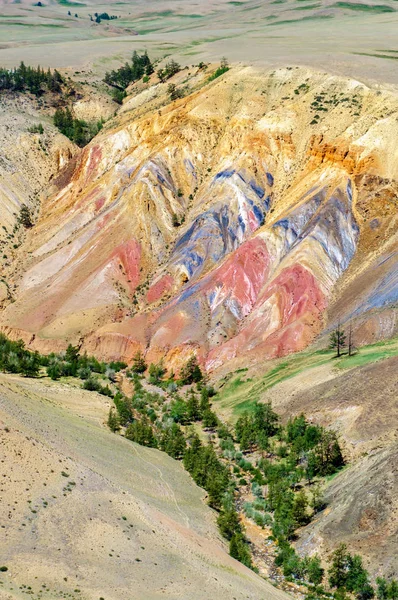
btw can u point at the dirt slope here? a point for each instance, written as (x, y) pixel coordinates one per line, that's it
(28, 160)
(362, 405)
(87, 510)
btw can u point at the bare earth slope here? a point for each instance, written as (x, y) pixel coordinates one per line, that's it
(86, 510)
(27, 163)
(362, 501)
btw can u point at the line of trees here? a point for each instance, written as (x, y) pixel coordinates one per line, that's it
(30, 79)
(165, 428)
(292, 457)
(16, 358)
(139, 67)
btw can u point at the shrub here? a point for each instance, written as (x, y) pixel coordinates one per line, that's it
(25, 217)
(223, 68)
(139, 365)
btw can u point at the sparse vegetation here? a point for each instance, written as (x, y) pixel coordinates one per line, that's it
(36, 129)
(25, 217)
(174, 92)
(223, 68)
(171, 68)
(337, 340)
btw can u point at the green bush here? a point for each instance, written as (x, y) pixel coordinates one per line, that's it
(223, 68)
(78, 131)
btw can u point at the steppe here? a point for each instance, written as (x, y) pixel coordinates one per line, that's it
(356, 39)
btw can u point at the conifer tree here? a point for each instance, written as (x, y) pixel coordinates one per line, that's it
(191, 372)
(337, 340)
(139, 365)
(338, 572)
(113, 420)
(25, 217)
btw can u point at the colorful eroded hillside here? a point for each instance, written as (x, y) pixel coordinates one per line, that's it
(241, 220)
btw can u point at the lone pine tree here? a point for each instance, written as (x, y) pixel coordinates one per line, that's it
(337, 340)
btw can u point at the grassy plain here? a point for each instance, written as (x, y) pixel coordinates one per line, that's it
(341, 37)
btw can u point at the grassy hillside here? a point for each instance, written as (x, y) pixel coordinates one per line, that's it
(239, 390)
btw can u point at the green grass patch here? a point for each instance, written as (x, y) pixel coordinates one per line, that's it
(239, 394)
(37, 26)
(70, 3)
(161, 13)
(372, 8)
(309, 18)
(193, 16)
(307, 7)
(376, 55)
(146, 31)
(369, 354)
(333, 475)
